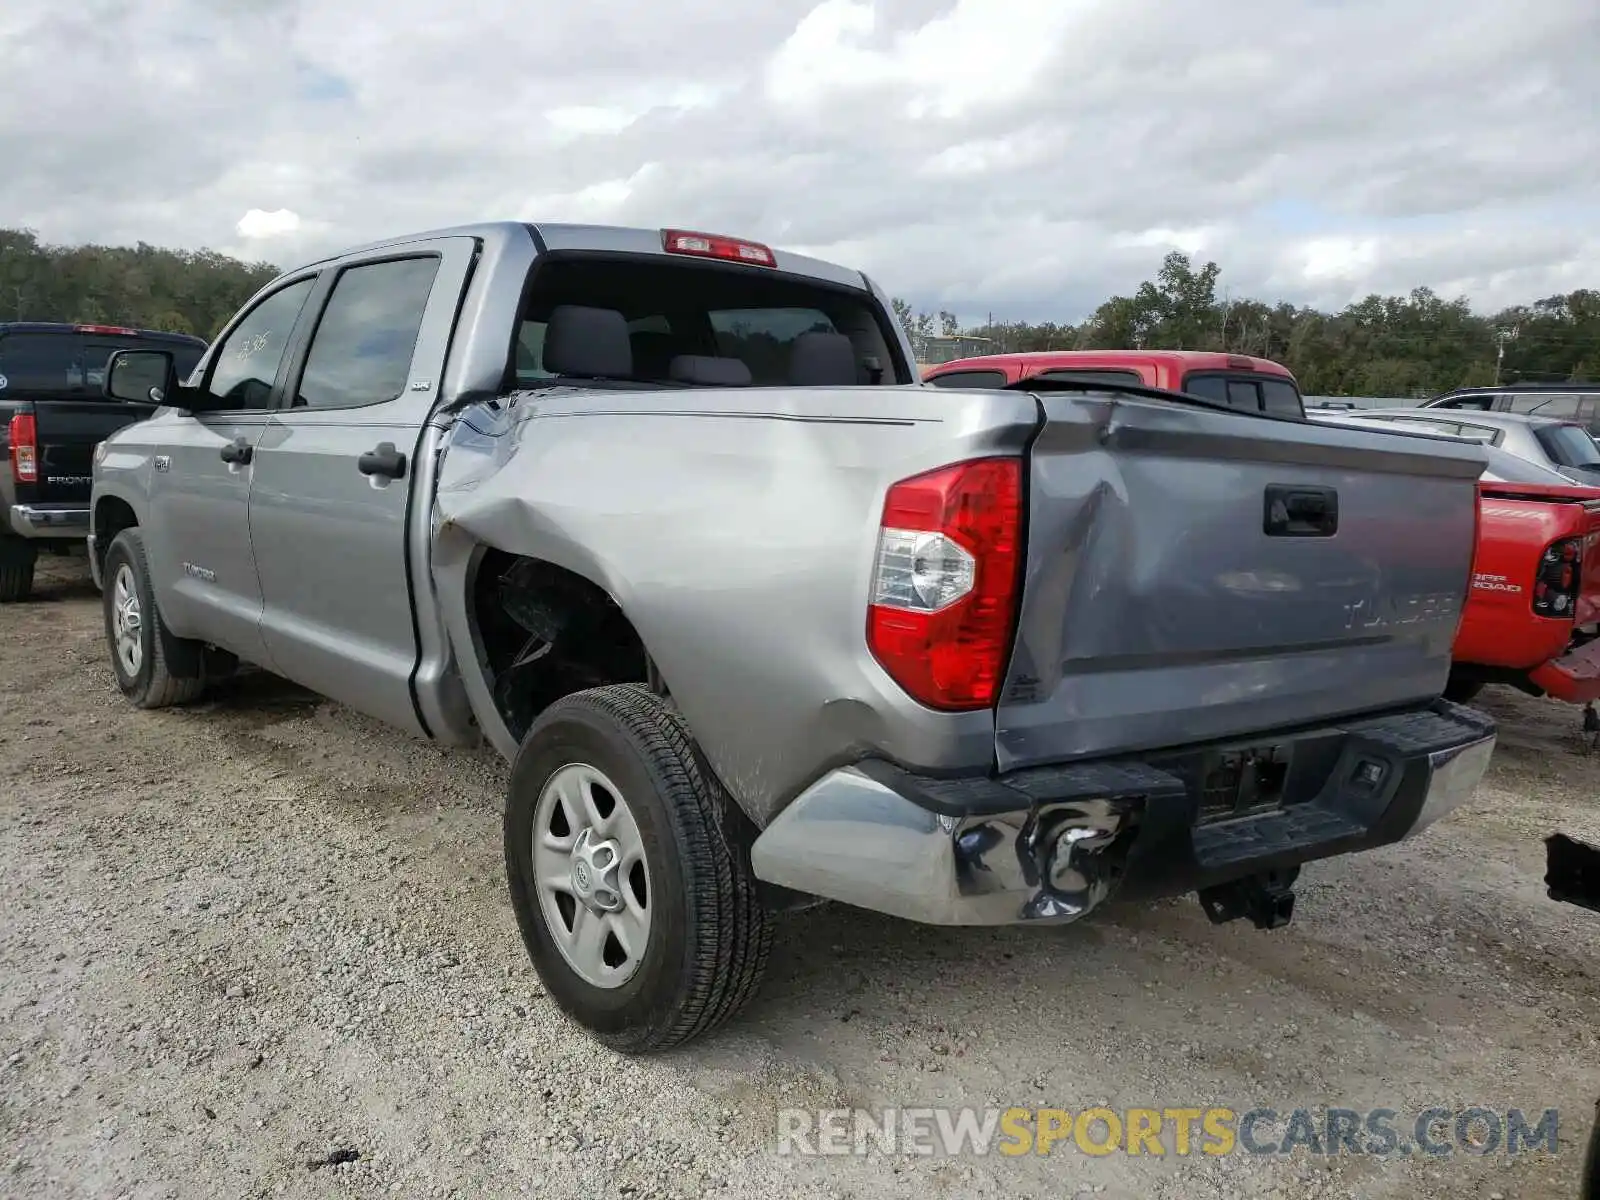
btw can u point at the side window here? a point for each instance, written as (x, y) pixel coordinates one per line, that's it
(970, 379)
(1091, 376)
(1475, 403)
(246, 363)
(361, 351)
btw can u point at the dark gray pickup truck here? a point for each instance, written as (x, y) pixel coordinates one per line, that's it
(52, 414)
(667, 518)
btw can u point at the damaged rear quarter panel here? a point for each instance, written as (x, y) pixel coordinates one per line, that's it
(737, 529)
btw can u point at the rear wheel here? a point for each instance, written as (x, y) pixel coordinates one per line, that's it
(1462, 691)
(630, 874)
(154, 669)
(17, 558)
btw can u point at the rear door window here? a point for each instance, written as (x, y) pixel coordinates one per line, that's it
(361, 351)
(970, 379)
(1476, 403)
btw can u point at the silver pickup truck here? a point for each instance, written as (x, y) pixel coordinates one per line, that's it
(758, 619)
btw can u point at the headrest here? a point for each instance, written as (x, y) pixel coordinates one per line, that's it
(820, 359)
(587, 342)
(711, 372)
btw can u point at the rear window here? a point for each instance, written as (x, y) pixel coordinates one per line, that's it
(74, 363)
(1248, 393)
(1569, 445)
(689, 322)
(970, 379)
(1546, 404)
(1092, 376)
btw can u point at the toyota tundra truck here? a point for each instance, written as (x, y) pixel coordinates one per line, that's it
(760, 620)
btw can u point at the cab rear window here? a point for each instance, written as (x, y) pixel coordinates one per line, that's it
(970, 379)
(1247, 392)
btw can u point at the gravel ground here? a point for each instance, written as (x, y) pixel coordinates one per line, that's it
(243, 939)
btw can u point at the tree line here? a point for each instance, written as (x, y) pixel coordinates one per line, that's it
(1414, 345)
(181, 291)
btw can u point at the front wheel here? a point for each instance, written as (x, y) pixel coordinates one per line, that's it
(630, 874)
(154, 669)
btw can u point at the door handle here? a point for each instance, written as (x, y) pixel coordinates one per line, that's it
(238, 451)
(383, 459)
(1294, 510)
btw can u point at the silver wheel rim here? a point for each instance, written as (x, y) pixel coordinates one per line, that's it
(126, 621)
(590, 872)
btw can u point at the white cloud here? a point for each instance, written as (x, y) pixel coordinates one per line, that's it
(1022, 156)
(257, 224)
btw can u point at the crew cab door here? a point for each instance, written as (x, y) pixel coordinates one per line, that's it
(330, 502)
(198, 537)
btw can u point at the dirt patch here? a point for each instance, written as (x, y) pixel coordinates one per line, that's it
(262, 947)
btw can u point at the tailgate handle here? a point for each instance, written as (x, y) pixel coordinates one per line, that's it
(1300, 510)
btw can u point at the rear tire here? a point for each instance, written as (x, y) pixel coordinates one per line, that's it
(683, 936)
(1462, 691)
(154, 669)
(17, 558)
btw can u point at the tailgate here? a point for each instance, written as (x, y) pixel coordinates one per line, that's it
(1195, 575)
(67, 431)
(1521, 519)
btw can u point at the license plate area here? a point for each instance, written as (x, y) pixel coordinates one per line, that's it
(1243, 782)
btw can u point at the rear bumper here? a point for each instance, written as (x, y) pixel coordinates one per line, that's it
(50, 520)
(1050, 844)
(1574, 677)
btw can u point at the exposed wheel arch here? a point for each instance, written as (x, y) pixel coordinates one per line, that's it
(541, 632)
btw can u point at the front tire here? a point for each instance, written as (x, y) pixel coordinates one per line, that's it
(629, 871)
(17, 559)
(154, 668)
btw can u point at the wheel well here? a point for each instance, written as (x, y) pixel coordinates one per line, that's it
(544, 632)
(111, 517)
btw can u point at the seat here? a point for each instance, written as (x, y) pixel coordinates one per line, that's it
(587, 343)
(707, 371)
(823, 360)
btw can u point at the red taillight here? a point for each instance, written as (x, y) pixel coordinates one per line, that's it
(711, 245)
(945, 586)
(1555, 583)
(24, 449)
(116, 330)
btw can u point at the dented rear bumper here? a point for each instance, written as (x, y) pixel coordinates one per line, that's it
(1574, 677)
(1051, 844)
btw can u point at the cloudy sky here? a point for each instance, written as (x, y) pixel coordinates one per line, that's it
(1026, 157)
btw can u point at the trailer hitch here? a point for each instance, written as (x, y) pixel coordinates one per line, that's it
(1266, 899)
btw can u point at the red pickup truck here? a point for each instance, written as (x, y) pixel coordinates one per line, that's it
(1532, 617)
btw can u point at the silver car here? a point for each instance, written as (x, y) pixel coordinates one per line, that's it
(1558, 445)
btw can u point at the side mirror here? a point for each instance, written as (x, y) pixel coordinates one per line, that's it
(140, 377)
